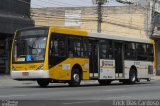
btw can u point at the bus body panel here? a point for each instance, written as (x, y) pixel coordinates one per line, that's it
(107, 69)
(68, 31)
(62, 71)
(27, 66)
(30, 74)
(29, 71)
(141, 66)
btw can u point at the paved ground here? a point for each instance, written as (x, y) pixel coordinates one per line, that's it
(90, 93)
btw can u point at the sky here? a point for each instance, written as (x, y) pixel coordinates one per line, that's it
(67, 3)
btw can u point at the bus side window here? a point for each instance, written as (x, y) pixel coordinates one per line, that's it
(58, 46)
(141, 51)
(129, 51)
(85, 48)
(109, 49)
(150, 52)
(103, 49)
(74, 47)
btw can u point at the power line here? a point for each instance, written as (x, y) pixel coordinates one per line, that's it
(61, 18)
(93, 20)
(58, 3)
(84, 1)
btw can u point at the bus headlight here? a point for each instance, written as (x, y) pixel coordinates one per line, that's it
(40, 67)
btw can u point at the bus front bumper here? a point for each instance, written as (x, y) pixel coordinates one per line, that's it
(32, 74)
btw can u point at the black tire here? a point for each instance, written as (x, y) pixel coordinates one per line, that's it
(132, 76)
(104, 82)
(76, 78)
(126, 81)
(148, 79)
(138, 80)
(43, 82)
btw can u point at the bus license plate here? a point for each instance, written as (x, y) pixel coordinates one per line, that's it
(25, 73)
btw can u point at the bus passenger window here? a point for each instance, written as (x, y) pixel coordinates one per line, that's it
(141, 51)
(74, 47)
(109, 49)
(129, 51)
(58, 47)
(106, 51)
(150, 52)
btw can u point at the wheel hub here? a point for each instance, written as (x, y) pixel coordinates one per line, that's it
(76, 77)
(133, 77)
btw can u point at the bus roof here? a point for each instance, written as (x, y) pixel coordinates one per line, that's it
(119, 38)
(72, 31)
(97, 35)
(69, 31)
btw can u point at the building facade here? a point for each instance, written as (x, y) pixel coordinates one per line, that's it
(117, 20)
(14, 14)
(131, 21)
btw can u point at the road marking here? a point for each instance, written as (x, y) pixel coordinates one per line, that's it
(11, 96)
(115, 90)
(79, 102)
(120, 97)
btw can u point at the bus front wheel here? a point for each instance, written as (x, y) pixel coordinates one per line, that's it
(75, 78)
(43, 82)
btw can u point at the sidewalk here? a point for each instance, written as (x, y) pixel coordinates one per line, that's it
(156, 78)
(5, 77)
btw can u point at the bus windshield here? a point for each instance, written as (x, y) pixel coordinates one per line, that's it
(29, 48)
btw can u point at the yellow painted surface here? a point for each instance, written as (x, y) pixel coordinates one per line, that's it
(68, 31)
(46, 67)
(27, 66)
(58, 73)
(11, 52)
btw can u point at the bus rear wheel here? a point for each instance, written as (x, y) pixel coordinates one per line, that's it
(43, 82)
(104, 82)
(132, 76)
(75, 78)
(148, 79)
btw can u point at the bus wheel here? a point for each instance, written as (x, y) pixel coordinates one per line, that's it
(43, 82)
(148, 79)
(75, 78)
(132, 76)
(104, 82)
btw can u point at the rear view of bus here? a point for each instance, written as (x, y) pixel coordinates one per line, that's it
(28, 54)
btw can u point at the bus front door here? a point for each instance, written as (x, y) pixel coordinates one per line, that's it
(118, 59)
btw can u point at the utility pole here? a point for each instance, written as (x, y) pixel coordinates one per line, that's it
(99, 4)
(153, 16)
(99, 11)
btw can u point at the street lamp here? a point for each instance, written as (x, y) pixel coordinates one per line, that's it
(99, 4)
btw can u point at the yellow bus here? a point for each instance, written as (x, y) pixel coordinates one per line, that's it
(56, 55)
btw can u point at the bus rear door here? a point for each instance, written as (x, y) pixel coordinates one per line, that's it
(119, 60)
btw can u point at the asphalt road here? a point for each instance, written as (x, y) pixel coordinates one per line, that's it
(90, 93)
